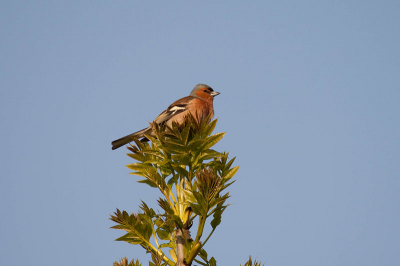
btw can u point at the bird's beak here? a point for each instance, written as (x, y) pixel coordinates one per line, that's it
(214, 93)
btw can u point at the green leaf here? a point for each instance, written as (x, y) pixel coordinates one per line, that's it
(173, 180)
(151, 161)
(177, 220)
(139, 144)
(137, 173)
(163, 234)
(153, 140)
(159, 222)
(189, 197)
(175, 148)
(196, 144)
(210, 128)
(208, 143)
(201, 263)
(135, 166)
(231, 173)
(137, 156)
(163, 203)
(213, 262)
(203, 254)
(155, 153)
(132, 148)
(212, 140)
(217, 215)
(180, 170)
(170, 244)
(174, 142)
(165, 171)
(151, 174)
(130, 238)
(175, 129)
(197, 209)
(148, 211)
(182, 159)
(148, 182)
(136, 228)
(202, 203)
(139, 167)
(209, 154)
(185, 135)
(224, 158)
(118, 226)
(229, 164)
(219, 200)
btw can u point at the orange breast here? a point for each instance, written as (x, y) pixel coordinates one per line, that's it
(202, 107)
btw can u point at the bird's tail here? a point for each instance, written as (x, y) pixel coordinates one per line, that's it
(129, 138)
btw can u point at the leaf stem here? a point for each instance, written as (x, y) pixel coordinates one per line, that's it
(155, 237)
(199, 262)
(179, 194)
(173, 197)
(205, 241)
(159, 252)
(193, 253)
(169, 201)
(202, 222)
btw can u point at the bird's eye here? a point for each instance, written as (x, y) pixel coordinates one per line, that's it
(205, 90)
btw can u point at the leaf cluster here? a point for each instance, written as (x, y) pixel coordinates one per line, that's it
(124, 262)
(192, 179)
(251, 263)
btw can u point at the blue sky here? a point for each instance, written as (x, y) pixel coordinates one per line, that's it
(309, 99)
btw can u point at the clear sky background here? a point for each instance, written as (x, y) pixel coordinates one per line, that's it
(310, 96)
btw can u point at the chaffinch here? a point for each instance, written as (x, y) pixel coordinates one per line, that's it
(200, 100)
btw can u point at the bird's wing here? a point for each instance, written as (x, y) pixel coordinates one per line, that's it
(174, 109)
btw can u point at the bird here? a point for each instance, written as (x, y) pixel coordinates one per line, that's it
(199, 102)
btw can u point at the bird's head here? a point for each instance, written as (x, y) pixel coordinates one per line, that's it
(204, 92)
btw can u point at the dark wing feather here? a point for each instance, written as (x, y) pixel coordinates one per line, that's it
(174, 109)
